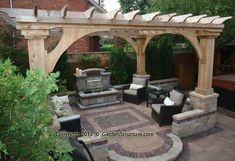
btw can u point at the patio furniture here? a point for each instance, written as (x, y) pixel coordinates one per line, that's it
(68, 122)
(153, 90)
(80, 150)
(136, 92)
(163, 113)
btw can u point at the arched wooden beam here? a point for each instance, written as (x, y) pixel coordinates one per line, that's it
(194, 19)
(89, 13)
(35, 11)
(208, 20)
(165, 18)
(220, 20)
(190, 36)
(149, 16)
(180, 18)
(63, 11)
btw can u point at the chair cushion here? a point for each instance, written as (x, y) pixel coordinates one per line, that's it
(139, 81)
(56, 102)
(135, 86)
(131, 92)
(168, 102)
(157, 107)
(176, 97)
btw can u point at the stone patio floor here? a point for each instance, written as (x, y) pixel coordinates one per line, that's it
(217, 144)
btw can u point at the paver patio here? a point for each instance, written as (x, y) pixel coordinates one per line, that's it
(216, 144)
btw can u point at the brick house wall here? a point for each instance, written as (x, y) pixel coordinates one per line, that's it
(82, 45)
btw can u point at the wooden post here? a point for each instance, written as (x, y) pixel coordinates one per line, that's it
(36, 48)
(205, 71)
(140, 41)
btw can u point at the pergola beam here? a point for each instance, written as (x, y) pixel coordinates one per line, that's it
(180, 18)
(194, 19)
(165, 18)
(89, 13)
(208, 20)
(63, 11)
(35, 11)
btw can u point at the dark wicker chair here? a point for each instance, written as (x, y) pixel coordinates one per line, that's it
(137, 96)
(163, 114)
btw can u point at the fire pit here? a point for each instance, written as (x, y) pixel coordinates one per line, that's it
(94, 89)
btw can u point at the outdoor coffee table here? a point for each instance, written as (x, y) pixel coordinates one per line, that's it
(155, 92)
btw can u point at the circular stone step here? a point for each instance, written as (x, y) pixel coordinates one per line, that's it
(170, 155)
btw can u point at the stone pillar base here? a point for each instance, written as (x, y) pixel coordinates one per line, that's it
(207, 103)
(147, 76)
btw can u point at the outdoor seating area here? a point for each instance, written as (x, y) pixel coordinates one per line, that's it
(120, 85)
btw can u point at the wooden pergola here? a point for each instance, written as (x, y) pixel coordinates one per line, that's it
(138, 30)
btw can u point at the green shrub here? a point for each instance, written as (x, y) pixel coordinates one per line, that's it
(159, 54)
(64, 68)
(24, 116)
(8, 49)
(89, 61)
(122, 66)
(107, 47)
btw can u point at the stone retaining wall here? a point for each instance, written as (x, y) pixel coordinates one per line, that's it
(193, 122)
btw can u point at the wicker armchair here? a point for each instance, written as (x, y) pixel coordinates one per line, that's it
(135, 96)
(162, 113)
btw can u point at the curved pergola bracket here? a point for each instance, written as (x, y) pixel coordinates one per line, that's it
(69, 36)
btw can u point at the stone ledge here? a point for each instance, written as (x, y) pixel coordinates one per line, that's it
(188, 114)
(194, 115)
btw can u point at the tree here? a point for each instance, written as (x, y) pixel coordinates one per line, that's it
(130, 5)
(24, 117)
(8, 50)
(122, 66)
(209, 7)
(159, 57)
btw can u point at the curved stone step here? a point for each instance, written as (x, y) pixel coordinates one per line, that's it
(171, 155)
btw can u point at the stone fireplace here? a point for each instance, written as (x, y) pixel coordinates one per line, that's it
(94, 88)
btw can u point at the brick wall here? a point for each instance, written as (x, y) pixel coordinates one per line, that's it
(83, 45)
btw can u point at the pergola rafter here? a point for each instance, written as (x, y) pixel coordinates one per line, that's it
(137, 29)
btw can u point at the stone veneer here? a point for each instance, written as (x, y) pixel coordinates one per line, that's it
(202, 118)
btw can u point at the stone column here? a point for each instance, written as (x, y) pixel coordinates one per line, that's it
(36, 48)
(140, 41)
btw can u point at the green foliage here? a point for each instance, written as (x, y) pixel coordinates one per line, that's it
(64, 68)
(89, 61)
(122, 66)
(24, 116)
(130, 5)
(209, 7)
(19, 57)
(159, 57)
(3, 150)
(8, 37)
(107, 47)
(8, 41)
